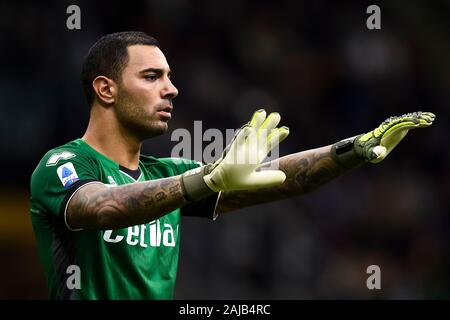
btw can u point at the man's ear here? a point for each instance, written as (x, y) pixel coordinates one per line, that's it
(105, 90)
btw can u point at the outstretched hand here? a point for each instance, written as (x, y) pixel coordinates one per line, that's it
(375, 145)
(237, 168)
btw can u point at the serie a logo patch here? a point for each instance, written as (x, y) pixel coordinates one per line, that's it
(67, 174)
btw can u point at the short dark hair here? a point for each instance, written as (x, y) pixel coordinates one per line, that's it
(108, 56)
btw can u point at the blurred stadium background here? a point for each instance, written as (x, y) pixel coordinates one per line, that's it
(313, 61)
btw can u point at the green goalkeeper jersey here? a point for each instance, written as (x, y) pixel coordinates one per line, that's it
(138, 262)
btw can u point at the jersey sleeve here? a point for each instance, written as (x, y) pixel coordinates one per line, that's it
(205, 208)
(57, 177)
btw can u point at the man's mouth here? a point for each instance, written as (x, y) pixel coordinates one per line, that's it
(165, 112)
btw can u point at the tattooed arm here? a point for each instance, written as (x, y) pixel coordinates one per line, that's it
(97, 206)
(305, 171)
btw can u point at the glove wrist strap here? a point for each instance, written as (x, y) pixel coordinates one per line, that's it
(344, 153)
(194, 185)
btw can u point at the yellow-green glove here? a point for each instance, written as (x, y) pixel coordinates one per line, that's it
(236, 168)
(375, 145)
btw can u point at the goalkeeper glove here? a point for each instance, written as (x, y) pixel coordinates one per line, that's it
(375, 145)
(236, 168)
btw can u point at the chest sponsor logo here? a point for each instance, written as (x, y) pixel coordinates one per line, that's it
(54, 158)
(153, 234)
(67, 174)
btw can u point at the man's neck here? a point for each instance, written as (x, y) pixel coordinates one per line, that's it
(113, 142)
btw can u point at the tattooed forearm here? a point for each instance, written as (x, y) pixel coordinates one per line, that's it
(98, 206)
(305, 171)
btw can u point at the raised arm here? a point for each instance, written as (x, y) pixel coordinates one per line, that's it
(306, 171)
(97, 206)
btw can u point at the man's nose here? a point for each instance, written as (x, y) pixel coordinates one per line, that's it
(169, 91)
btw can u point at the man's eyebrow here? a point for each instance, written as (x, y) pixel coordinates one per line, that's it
(155, 70)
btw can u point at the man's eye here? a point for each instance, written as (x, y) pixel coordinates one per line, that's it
(151, 77)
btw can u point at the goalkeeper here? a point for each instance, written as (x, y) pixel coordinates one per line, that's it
(107, 218)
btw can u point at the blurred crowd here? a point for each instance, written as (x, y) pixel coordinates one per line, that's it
(317, 64)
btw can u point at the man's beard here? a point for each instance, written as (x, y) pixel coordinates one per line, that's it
(135, 118)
